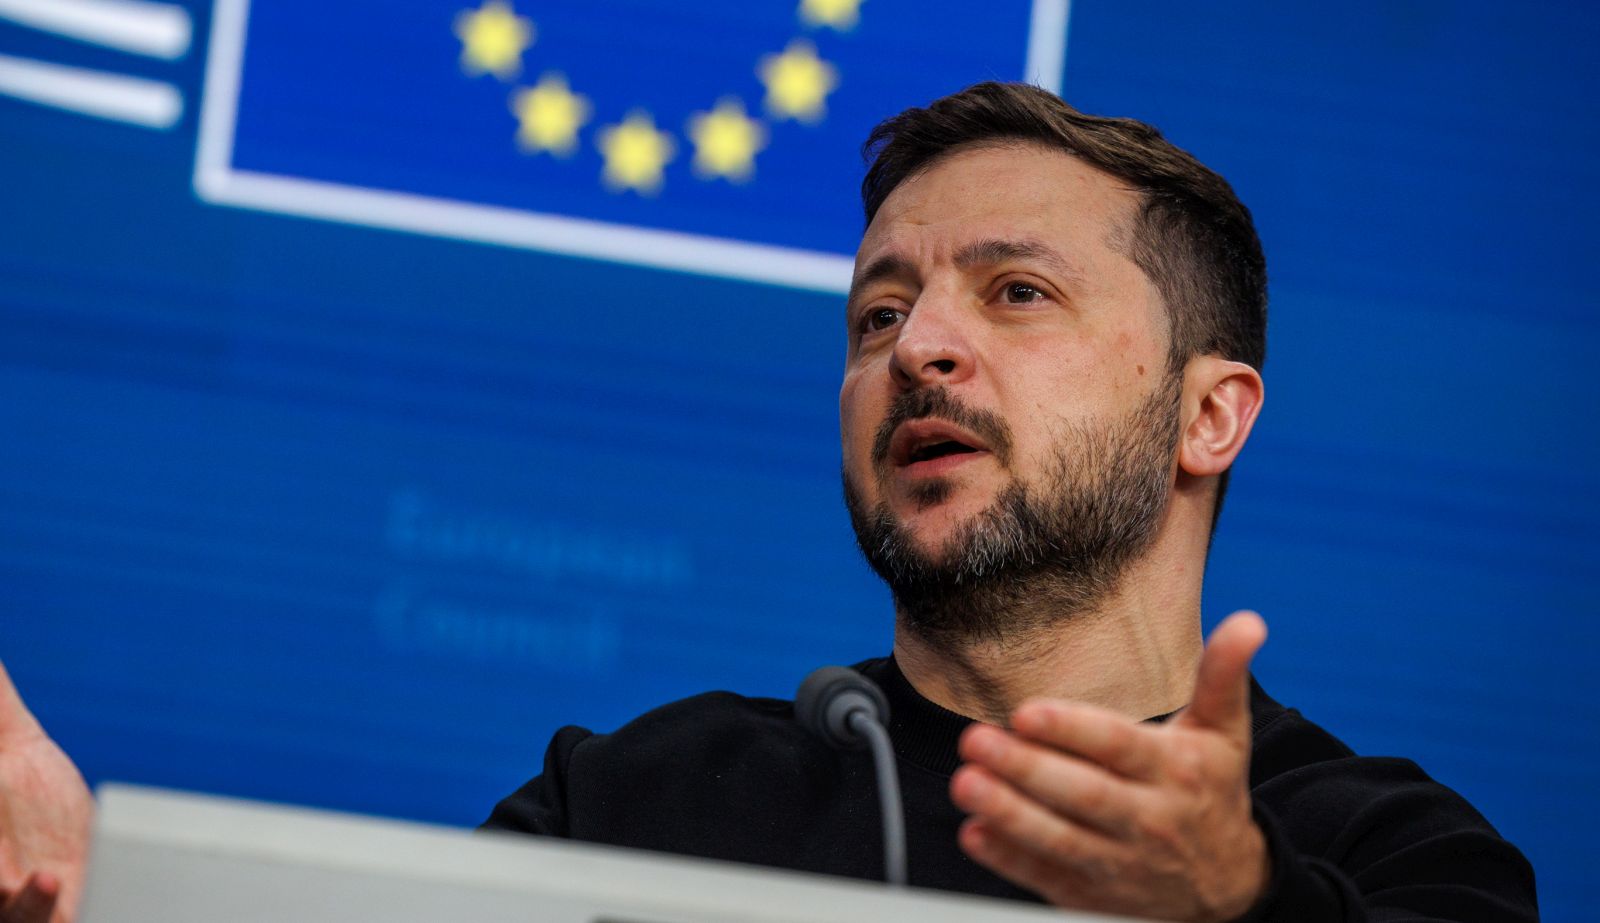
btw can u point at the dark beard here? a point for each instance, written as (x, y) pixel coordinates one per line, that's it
(1039, 555)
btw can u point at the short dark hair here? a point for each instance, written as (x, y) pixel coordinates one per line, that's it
(1192, 236)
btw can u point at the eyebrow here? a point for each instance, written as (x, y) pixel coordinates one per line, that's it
(888, 266)
(989, 251)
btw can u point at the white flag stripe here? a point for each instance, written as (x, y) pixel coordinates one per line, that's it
(729, 259)
(110, 96)
(160, 30)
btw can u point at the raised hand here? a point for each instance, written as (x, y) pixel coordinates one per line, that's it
(1097, 812)
(45, 814)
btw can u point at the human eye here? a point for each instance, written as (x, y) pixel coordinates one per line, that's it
(1022, 293)
(880, 318)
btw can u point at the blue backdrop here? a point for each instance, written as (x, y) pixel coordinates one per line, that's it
(355, 437)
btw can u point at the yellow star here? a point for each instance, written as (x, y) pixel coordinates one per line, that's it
(798, 82)
(726, 141)
(635, 154)
(840, 14)
(549, 116)
(493, 38)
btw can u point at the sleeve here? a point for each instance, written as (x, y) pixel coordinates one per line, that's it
(1446, 865)
(540, 806)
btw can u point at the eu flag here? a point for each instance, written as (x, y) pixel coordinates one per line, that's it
(717, 137)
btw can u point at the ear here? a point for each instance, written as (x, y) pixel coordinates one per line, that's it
(1221, 399)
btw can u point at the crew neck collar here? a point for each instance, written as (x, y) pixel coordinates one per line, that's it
(926, 733)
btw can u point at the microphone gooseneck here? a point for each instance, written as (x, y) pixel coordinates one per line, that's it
(849, 711)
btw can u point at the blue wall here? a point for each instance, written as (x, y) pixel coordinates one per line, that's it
(302, 510)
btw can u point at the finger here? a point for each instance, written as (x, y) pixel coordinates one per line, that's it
(34, 902)
(14, 716)
(1004, 809)
(1014, 863)
(1222, 691)
(1069, 786)
(1096, 734)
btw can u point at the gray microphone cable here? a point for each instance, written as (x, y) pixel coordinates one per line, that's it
(849, 711)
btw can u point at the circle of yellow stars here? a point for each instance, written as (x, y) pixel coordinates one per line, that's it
(726, 138)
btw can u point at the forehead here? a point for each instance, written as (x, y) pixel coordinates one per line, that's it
(1006, 191)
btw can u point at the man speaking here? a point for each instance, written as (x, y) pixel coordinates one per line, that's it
(1054, 340)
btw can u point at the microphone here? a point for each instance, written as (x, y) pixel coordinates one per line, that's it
(849, 711)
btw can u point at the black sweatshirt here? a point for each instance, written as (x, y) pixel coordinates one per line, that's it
(729, 777)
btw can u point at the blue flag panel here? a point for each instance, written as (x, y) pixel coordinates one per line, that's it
(717, 137)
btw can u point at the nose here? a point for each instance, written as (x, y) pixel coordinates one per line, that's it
(933, 347)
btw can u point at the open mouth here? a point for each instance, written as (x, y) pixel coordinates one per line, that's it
(939, 450)
(930, 446)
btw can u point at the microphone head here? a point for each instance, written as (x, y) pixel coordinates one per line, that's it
(829, 695)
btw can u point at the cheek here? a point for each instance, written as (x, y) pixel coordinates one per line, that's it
(848, 413)
(858, 416)
(1092, 373)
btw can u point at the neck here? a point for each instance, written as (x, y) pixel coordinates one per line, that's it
(1135, 652)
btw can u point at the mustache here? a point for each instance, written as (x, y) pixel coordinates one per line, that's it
(940, 404)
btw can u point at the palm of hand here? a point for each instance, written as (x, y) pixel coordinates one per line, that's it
(1092, 810)
(45, 815)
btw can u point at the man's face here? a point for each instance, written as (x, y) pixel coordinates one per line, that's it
(1000, 344)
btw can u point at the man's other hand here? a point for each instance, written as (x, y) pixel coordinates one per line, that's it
(1096, 812)
(45, 814)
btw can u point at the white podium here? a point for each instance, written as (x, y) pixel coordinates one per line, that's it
(181, 858)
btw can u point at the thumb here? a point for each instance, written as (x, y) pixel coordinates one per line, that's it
(15, 719)
(1222, 692)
